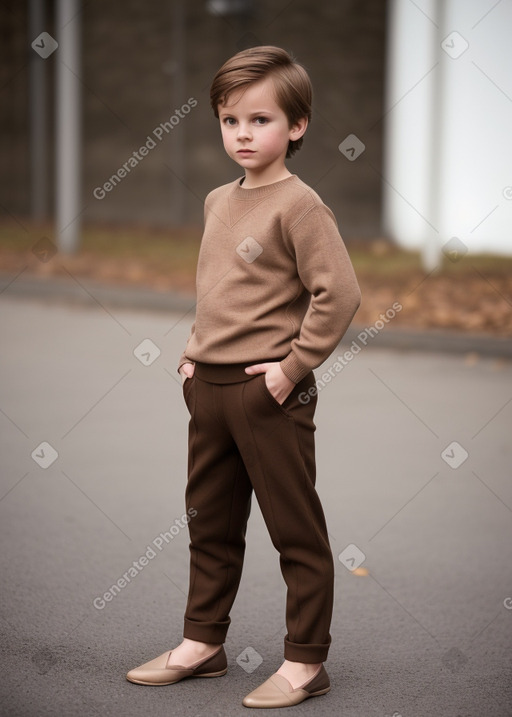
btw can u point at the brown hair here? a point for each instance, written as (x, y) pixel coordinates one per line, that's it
(291, 82)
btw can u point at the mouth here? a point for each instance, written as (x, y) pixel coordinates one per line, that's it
(245, 151)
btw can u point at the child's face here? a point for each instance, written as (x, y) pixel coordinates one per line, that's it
(255, 130)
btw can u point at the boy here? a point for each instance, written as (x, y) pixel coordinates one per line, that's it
(275, 293)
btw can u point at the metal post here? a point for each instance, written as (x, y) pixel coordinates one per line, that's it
(431, 254)
(68, 126)
(38, 118)
(177, 138)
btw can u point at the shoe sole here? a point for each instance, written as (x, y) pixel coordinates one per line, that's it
(173, 682)
(320, 692)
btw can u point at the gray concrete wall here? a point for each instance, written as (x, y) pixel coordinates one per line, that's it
(127, 93)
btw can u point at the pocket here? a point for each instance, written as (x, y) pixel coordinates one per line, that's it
(266, 391)
(186, 385)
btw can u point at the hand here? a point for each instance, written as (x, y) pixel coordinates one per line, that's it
(278, 383)
(186, 371)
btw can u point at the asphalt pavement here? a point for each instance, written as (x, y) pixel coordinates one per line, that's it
(414, 463)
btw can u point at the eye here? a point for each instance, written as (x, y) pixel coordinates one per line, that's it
(230, 121)
(261, 120)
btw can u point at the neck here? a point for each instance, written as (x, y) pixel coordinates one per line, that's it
(268, 176)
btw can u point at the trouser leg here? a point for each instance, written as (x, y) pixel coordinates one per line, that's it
(219, 490)
(277, 446)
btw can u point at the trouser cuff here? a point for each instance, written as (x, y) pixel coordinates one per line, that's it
(297, 652)
(213, 632)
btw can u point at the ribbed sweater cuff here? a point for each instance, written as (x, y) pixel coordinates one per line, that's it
(292, 368)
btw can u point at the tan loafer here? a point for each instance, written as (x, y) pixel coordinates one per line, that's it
(160, 672)
(278, 692)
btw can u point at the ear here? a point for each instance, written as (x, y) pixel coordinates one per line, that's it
(298, 129)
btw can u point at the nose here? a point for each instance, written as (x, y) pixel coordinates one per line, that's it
(243, 131)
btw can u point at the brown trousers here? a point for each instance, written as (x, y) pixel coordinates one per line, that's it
(240, 440)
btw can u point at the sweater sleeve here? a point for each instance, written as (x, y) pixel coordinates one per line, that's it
(326, 272)
(184, 358)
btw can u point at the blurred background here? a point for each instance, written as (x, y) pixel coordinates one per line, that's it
(108, 148)
(109, 145)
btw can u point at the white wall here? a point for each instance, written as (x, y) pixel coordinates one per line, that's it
(448, 128)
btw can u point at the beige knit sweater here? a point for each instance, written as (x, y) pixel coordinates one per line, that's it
(274, 280)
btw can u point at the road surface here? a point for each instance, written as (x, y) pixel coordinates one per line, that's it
(414, 463)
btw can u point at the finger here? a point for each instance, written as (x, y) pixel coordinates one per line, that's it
(257, 368)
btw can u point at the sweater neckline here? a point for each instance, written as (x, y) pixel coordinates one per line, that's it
(258, 192)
